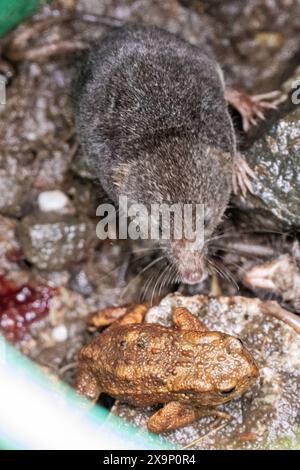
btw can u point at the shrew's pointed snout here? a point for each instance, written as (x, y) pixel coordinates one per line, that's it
(193, 277)
(189, 259)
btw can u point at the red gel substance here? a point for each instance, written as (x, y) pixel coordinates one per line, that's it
(15, 255)
(20, 306)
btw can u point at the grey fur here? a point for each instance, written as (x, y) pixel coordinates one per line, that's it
(152, 119)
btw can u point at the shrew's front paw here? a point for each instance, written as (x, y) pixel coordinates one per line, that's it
(242, 175)
(252, 108)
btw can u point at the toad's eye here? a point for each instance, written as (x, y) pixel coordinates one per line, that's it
(228, 391)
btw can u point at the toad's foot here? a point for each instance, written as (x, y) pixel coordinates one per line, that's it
(105, 317)
(217, 425)
(135, 314)
(119, 315)
(185, 320)
(177, 415)
(242, 175)
(252, 108)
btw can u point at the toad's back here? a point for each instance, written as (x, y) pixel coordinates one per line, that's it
(136, 360)
(145, 364)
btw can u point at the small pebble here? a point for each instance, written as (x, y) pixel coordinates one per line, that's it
(52, 201)
(60, 333)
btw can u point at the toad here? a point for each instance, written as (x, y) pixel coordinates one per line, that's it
(186, 368)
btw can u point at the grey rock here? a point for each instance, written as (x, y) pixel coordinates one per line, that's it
(86, 195)
(14, 190)
(275, 159)
(80, 166)
(52, 241)
(11, 196)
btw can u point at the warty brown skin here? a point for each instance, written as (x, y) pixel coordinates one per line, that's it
(147, 364)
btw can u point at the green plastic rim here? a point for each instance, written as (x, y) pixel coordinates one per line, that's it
(12, 12)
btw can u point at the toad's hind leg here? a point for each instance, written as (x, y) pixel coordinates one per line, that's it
(87, 386)
(134, 315)
(185, 320)
(119, 315)
(105, 317)
(177, 415)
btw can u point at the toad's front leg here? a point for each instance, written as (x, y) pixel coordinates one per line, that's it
(252, 107)
(185, 320)
(177, 415)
